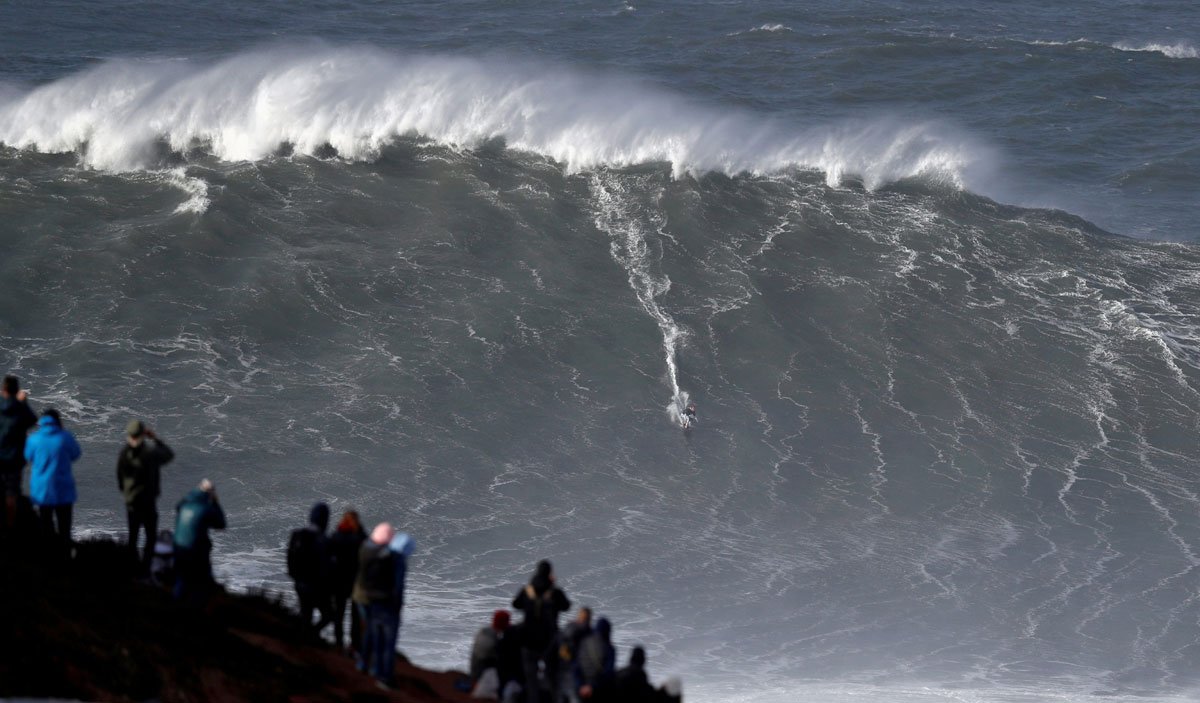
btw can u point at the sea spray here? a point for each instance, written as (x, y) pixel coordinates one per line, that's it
(354, 101)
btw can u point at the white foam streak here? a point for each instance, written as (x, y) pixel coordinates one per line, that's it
(630, 249)
(1178, 50)
(359, 99)
(196, 188)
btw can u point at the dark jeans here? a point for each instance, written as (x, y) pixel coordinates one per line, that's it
(193, 575)
(339, 623)
(541, 660)
(381, 627)
(60, 513)
(142, 515)
(10, 477)
(314, 598)
(10, 489)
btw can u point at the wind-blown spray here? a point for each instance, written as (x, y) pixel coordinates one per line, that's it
(358, 100)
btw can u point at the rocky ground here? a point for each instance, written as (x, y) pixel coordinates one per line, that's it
(83, 628)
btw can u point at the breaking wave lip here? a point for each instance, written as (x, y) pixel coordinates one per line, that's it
(769, 27)
(357, 100)
(1178, 50)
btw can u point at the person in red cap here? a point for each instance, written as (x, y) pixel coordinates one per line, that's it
(485, 650)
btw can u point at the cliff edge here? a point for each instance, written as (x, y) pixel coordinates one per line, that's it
(81, 627)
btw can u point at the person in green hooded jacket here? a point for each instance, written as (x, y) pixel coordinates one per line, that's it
(138, 478)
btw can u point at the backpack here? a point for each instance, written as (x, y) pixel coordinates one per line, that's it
(304, 556)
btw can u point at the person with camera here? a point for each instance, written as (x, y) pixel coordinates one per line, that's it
(139, 469)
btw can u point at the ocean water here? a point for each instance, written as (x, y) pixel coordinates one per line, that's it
(929, 272)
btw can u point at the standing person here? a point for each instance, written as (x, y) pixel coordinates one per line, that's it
(401, 546)
(16, 419)
(195, 515)
(51, 451)
(595, 664)
(308, 565)
(572, 635)
(138, 478)
(689, 416)
(541, 602)
(632, 683)
(373, 592)
(344, 545)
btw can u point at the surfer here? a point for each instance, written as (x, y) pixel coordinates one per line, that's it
(688, 416)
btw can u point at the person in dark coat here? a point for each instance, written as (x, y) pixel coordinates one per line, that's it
(485, 648)
(16, 419)
(572, 635)
(344, 545)
(541, 602)
(138, 478)
(595, 664)
(374, 590)
(51, 451)
(309, 565)
(632, 683)
(195, 515)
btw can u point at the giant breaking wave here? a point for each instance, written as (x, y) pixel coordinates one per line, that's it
(356, 100)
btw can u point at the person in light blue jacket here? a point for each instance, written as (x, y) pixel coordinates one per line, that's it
(50, 452)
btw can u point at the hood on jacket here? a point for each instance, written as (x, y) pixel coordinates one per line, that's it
(196, 495)
(604, 629)
(319, 515)
(402, 544)
(541, 577)
(48, 420)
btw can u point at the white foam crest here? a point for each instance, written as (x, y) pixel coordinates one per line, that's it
(772, 28)
(1178, 50)
(359, 99)
(196, 188)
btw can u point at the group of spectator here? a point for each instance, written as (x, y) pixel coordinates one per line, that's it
(50, 450)
(533, 661)
(331, 571)
(537, 662)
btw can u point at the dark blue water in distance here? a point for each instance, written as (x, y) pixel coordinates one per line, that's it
(929, 271)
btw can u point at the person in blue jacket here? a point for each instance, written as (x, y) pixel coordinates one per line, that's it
(195, 515)
(50, 452)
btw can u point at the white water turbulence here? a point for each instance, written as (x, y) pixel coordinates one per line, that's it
(357, 100)
(616, 216)
(1175, 50)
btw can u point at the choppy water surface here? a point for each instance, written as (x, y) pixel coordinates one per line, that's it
(457, 266)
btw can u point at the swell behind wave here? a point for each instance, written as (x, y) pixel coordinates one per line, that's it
(357, 100)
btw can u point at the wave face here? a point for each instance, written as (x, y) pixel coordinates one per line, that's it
(928, 423)
(946, 444)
